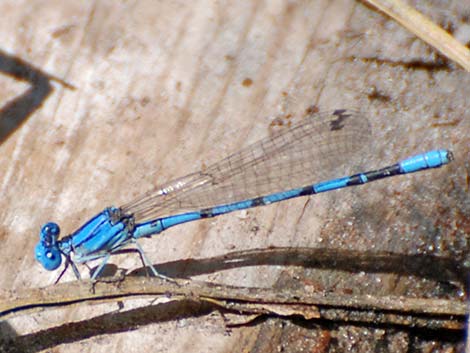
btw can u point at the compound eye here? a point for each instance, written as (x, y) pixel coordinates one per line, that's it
(50, 232)
(51, 228)
(50, 258)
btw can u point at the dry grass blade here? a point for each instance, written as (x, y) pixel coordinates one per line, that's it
(425, 29)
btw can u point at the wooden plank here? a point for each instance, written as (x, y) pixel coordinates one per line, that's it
(165, 88)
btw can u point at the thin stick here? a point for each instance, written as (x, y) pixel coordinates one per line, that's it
(415, 312)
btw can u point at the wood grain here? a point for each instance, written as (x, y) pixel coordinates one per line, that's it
(156, 90)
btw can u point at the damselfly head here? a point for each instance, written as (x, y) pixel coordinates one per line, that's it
(47, 250)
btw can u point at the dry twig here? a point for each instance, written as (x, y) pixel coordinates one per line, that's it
(247, 302)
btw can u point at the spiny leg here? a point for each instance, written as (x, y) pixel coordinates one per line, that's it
(124, 251)
(135, 250)
(142, 260)
(146, 263)
(75, 269)
(100, 267)
(68, 262)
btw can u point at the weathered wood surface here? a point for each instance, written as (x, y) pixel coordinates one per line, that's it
(161, 89)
